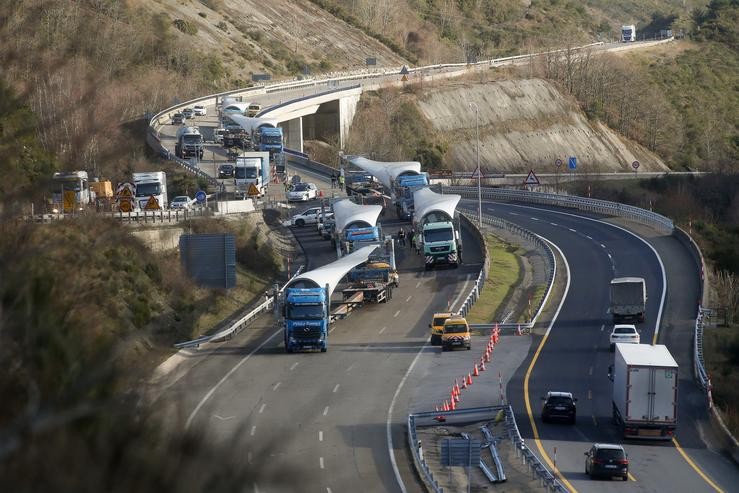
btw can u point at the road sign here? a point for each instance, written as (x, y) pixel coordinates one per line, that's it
(460, 452)
(125, 206)
(531, 179)
(558, 163)
(404, 78)
(69, 200)
(253, 190)
(371, 61)
(477, 173)
(152, 204)
(635, 165)
(572, 162)
(125, 193)
(404, 70)
(200, 196)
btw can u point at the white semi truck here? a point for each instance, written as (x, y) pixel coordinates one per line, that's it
(151, 190)
(644, 391)
(628, 33)
(251, 168)
(189, 143)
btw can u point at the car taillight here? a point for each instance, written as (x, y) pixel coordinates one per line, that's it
(597, 462)
(623, 462)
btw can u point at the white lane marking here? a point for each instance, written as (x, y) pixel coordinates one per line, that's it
(382, 330)
(293, 366)
(328, 490)
(573, 230)
(408, 298)
(331, 329)
(325, 410)
(320, 436)
(350, 367)
(275, 386)
(610, 256)
(213, 389)
(335, 388)
(590, 371)
(654, 251)
(222, 418)
(320, 461)
(590, 395)
(554, 224)
(602, 245)
(513, 213)
(253, 430)
(602, 327)
(418, 284)
(588, 237)
(461, 292)
(396, 314)
(261, 408)
(534, 219)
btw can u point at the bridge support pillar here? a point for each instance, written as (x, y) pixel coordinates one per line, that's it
(293, 133)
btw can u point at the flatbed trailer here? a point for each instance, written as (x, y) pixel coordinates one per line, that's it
(375, 292)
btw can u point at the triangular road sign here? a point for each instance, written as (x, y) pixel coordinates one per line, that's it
(477, 173)
(152, 204)
(531, 179)
(253, 191)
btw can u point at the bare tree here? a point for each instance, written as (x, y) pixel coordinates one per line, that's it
(727, 291)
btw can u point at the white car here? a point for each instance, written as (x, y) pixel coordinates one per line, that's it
(182, 202)
(309, 216)
(199, 110)
(624, 333)
(302, 192)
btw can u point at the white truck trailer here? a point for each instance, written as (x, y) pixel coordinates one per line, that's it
(645, 391)
(628, 298)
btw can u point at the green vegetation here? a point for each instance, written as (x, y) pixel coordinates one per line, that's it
(185, 27)
(504, 277)
(721, 355)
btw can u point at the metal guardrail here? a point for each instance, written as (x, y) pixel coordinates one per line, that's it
(535, 466)
(154, 216)
(551, 273)
(240, 324)
(699, 366)
(596, 206)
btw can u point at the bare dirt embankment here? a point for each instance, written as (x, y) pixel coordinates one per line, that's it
(525, 124)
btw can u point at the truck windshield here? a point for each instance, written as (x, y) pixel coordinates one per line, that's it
(271, 139)
(147, 189)
(304, 312)
(438, 235)
(192, 139)
(68, 185)
(439, 321)
(245, 173)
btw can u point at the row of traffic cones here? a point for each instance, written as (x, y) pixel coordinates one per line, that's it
(454, 397)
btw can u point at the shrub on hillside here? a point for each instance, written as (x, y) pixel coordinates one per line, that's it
(185, 26)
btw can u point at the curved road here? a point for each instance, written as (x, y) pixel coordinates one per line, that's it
(576, 354)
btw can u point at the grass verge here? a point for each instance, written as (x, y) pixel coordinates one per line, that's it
(721, 355)
(504, 277)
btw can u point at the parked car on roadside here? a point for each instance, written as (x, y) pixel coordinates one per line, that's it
(309, 216)
(199, 110)
(181, 202)
(302, 192)
(606, 459)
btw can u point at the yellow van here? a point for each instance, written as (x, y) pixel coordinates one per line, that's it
(437, 327)
(456, 333)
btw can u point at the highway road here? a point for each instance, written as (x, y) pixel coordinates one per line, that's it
(575, 355)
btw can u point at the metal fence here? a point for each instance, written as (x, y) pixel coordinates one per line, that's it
(145, 217)
(535, 466)
(240, 324)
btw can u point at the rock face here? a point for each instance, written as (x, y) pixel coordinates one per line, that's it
(526, 124)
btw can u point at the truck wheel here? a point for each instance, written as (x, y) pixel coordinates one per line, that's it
(323, 349)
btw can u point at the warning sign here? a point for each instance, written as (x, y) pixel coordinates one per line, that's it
(70, 199)
(404, 78)
(253, 190)
(152, 204)
(531, 179)
(477, 173)
(124, 196)
(125, 206)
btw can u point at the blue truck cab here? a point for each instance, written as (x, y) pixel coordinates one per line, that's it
(269, 140)
(306, 313)
(357, 237)
(405, 185)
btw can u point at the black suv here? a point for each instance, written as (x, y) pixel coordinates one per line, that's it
(559, 405)
(605, 459)
(226, 171)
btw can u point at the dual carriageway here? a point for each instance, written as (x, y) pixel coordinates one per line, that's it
(336, 421)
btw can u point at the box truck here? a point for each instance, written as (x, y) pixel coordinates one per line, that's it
(644, 391)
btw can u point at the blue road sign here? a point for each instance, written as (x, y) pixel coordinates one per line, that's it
(572, 162)
(200, 196)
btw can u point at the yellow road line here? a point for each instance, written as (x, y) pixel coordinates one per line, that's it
(533, 423)
(695, 466)
(631, 477)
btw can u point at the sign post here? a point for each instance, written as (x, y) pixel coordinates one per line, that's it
(635, 165)
(557, 165)
(531, 180)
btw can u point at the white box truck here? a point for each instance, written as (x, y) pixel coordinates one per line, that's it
(628, 33)
(628, 298)
(251, 168)
(151, 190)
(645, 391)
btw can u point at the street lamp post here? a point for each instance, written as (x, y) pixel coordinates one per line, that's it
(479, 173)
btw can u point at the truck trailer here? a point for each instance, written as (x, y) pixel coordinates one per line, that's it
(628, 298)
(645, 391)
(151, 190)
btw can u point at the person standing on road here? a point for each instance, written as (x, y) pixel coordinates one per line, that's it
(401, 237)
(341, 182)
(411, 237)
(333, 180)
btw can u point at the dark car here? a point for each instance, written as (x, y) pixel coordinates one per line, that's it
(178, 119)
(607, 460)
(226, 171)
(188, 113)
(559, 406)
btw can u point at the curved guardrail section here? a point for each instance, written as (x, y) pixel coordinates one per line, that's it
(596, 206)
(535, 466)
(477, 288)
(240, 324)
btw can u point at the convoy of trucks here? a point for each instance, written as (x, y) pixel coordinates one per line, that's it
(251, 168)
(189, 143)
(644, 391)
(151, 190)
(628, 298)
(404, 188)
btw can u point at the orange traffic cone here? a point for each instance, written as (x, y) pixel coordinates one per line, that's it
(456, 387)
(482, 364)
(475, 371)
(453, 406)
(320, 193)
(469, 379)
(454, 397)
(518, 330)
(446, 406)
(487, 356)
